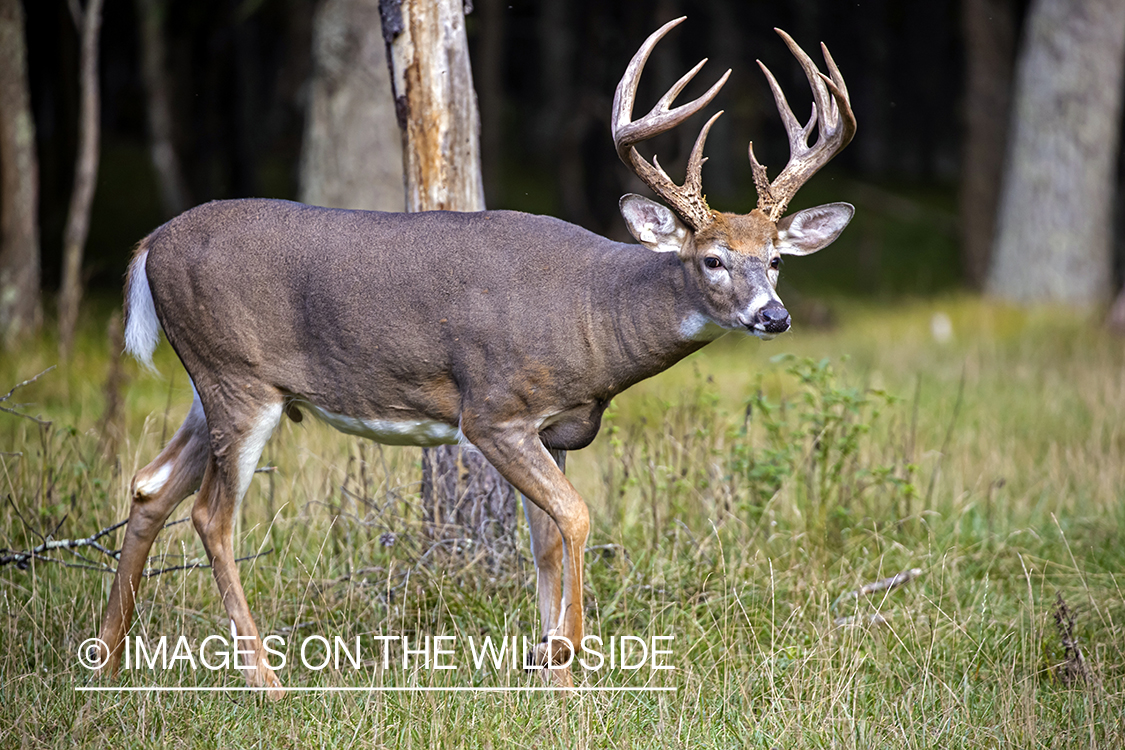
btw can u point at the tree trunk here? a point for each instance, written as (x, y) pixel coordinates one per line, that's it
(990, 37)
(174, 194)
(19, 185)
(435, 103)
(351, 156)
(89, 22)
(437, 112)
(1054, 228)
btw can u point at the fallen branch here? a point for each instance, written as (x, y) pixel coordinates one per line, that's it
(23, 558)
(886, 584)
(867, 621)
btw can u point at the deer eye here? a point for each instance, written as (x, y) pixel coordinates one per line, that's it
(712, 262)
(775, 263)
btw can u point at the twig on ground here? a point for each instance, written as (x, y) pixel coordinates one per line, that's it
(8, 395)
(21, 558)
(290, 629)
(867, 621)
(196, 566)
(886, 584)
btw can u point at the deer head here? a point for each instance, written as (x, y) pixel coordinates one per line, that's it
(734, 259)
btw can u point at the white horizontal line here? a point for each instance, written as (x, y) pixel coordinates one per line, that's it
(375, 689)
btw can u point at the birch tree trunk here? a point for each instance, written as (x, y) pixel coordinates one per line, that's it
(89, 21)
(351, 156)
(19, 185)
(1055, 225)
(437, 112)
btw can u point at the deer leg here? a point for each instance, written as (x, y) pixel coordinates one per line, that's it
(225, 482)
(156, 490)
(547, 549)
(521, 458)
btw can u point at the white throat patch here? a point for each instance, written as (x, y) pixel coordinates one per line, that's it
(698, 327)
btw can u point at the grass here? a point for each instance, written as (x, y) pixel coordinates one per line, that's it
(736, 500)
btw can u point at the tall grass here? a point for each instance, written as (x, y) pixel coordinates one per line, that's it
(736, 502)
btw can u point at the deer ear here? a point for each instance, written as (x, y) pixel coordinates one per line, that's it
(653, 225)
(810, 230)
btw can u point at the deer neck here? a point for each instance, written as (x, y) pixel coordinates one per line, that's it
(659, 317)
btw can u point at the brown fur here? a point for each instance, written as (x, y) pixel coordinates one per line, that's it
(744, 233)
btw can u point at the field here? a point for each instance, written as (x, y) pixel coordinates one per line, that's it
(737, 500)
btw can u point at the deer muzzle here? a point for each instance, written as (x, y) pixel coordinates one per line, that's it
(772, 319)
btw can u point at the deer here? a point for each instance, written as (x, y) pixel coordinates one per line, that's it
(501, 330)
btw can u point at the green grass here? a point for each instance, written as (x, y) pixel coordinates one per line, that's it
(734, 500)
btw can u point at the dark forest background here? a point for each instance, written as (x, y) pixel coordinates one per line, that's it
(239, 76)
(239, 71)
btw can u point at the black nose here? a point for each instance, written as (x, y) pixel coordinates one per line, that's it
(775, 319)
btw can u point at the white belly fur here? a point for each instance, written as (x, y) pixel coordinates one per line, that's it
(390, 432)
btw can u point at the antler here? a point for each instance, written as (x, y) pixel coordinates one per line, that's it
(686, 200)
(835, 125)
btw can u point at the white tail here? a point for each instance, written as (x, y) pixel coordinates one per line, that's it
(142, 327)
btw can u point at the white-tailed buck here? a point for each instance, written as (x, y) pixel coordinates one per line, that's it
(509, 331)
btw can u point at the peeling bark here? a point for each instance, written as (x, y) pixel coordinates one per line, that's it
(437, 106)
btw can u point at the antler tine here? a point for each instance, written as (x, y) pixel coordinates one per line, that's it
(686, 200)
(660, 118)
(798, 135)
(626, 93)
(832, 114)
(836, 82)
(821, 98)
(695, 161)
